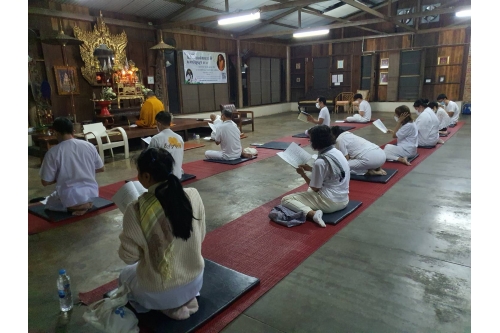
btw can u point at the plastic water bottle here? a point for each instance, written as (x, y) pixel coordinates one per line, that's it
(64, 289)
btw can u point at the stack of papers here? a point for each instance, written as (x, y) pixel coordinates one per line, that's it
(147, 140)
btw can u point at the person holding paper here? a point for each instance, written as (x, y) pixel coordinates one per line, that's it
(324, 114)
(71, 165)
(363, 157)
(407, 134)
(149, 109)
(364, 114)
(427, 124)
(442, 115)
(227, 135)
(216, 121)
(329, 182)
(163, 230)
(450, 107)
(169, 140)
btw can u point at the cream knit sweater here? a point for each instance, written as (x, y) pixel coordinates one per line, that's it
(187, 262)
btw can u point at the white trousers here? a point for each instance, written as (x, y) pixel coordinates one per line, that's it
(215, 155)
(356, 119)
(310, 200)
(370, 160)
(143, 301)
(393, 152)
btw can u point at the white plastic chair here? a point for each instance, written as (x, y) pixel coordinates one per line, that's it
(98, 131)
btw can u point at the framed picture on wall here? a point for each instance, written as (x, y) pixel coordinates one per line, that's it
(297, 65)
(340, 64)
(66, 80)
(384, 78)
(428, 80)
(441, 79)
(384, 63)
(445, 60)
(297, 80)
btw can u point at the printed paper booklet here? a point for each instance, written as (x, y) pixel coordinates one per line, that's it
(303, 116)
(378, 123)
(128, 193)
(294, 155)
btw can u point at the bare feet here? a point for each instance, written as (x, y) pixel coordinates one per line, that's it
(80, 209)
(184, 311)
(376, 172)
(404, 160)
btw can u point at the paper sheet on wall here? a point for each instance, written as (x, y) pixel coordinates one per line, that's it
(378, 123)
(334, 79)
(341, 78)
(294, 155)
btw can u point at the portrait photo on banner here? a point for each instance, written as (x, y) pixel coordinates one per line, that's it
(66, 80)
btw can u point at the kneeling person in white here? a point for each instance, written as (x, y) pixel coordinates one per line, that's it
(442, 115)
(364, 114)
(329, 183)
(161, 240)
(427, 124)
(169, 140)
(407, 134)
(228, 137)
(363, 156)
(450, 107)
(72, 166)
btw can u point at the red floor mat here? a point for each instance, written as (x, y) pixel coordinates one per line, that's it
(256, 246)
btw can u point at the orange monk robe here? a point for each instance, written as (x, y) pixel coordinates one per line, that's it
(149, 110)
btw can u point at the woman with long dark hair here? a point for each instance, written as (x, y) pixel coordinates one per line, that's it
(161, 240)
(329, 183)
(407, 134)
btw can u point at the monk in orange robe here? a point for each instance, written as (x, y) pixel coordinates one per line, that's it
(149, 110)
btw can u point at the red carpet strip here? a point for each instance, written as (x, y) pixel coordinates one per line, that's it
(254, 245)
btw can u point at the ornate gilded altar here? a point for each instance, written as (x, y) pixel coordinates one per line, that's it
(92, 40)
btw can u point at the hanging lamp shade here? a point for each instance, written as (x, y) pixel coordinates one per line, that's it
(62, 39)
(162, 46)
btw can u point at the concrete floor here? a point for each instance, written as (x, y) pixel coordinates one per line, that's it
(403, 265)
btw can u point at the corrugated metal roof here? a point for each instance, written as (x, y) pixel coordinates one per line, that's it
(307, 20)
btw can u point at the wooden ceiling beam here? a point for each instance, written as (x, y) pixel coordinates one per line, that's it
(335, 19)
(270, 8)
(330, 26)
(178, 12)
(354, 39)
(266, 22)
(87, 18)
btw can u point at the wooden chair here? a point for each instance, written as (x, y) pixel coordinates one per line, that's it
(239, 117)
(365, 94)
(344, 99)
(98, 131)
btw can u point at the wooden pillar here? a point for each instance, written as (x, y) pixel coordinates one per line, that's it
(288, 62)
(238, 75)
(161, 75)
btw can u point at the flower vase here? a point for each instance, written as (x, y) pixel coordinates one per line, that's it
(104, 107)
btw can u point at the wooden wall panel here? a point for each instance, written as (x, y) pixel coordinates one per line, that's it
(392, 87)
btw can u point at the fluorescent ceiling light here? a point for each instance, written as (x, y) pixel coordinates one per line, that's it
(463, 13)
(239, 19)
(311, 33)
